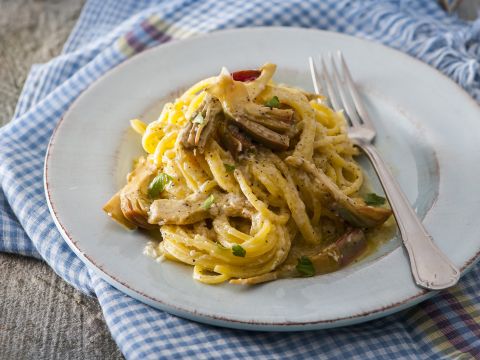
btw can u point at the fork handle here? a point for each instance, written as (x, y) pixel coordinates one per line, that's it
(431, 269)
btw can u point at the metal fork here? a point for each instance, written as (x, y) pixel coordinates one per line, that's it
(431, 269)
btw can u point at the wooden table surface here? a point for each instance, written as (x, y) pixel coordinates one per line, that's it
(41, 316)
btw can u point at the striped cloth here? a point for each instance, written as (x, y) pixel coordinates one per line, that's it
(107, 33)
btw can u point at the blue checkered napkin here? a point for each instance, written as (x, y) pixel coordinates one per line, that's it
(107, 33)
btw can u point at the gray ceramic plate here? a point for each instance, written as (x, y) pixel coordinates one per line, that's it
(428, 132)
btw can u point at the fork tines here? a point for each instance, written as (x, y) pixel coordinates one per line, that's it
(339, 88)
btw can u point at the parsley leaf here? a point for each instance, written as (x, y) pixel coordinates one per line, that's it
(274, 102)
(229, 167)
(239, 251)
(207, 204)
(305, 267)
(198, 119)
(374, 199)
(158, 184)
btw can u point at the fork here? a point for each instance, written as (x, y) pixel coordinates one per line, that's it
(431, 269)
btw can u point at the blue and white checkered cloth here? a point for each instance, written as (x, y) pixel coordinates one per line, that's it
(107, 33)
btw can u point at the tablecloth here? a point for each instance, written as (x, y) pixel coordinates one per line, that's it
(107, 33)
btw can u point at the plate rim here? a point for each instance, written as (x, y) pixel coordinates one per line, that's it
(216, 320)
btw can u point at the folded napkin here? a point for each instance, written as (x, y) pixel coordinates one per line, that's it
(107, 33)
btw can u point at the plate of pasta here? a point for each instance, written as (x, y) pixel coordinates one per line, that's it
(223, 184)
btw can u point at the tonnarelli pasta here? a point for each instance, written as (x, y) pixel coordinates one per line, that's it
(249, 181)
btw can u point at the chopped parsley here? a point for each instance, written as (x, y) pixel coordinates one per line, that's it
(198, 119)
(305, 267)
(374, 199)
(229, 167)
(207, 204)
(239, 251)
(274, 102)
(158, 184)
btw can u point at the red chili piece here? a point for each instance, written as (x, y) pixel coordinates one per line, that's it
(246, 75)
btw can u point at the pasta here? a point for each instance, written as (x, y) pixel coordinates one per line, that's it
(249, 181)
